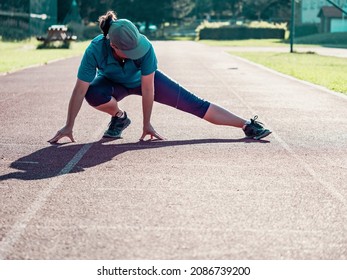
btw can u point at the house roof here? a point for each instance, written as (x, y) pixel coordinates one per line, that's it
(330, 12)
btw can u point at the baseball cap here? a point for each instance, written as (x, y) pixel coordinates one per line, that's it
(127, 38)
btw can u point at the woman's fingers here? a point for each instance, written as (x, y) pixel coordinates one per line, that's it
(143, 136)
(152, 134)
(158, 136)
(55, 138)
(60, 135)
(71, 137)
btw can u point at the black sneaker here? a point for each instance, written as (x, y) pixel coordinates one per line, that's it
(116, 126)
(255, 129)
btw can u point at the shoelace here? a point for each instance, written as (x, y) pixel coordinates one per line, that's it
(256, 122)
(113, 123)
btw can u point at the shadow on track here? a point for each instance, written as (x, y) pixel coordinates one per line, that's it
(49, 161)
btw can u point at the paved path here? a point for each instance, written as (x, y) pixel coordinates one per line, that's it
(206, 193)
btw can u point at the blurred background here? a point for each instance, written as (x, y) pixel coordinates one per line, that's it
(160, 19)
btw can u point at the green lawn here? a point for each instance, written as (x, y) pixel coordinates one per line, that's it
(329, 72)
(17, 55)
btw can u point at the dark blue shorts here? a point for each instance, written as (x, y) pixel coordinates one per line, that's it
(167, 92)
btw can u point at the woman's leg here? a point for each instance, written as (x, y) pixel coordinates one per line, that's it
(110, 107)
(102, 94)
(220, 116)
(171, 93)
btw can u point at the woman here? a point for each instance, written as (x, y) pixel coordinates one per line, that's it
(120, 62)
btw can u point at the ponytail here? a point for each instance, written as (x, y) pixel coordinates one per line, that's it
(105, 21)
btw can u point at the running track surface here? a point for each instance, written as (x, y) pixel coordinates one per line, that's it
(205, 193)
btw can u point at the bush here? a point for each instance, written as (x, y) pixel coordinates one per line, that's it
(91, 31)
(339, 38)
(240, 33)
(265, 24)
(252, 30)
(305, 30)
(13, 34)
(76, 29)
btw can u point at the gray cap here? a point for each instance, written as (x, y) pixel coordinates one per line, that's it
(127, 38)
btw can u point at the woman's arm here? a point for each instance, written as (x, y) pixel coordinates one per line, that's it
(147, 87)
(75, 104)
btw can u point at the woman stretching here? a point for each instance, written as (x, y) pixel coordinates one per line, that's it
(120, 62)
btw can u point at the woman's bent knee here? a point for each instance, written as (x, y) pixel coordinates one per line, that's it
(96, 96)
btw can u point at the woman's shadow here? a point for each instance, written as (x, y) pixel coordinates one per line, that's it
(60, 159)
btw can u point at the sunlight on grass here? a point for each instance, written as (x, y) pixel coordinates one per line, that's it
(321, 70)
(17, 55)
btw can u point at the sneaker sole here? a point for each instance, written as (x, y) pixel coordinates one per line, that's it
(120, 134)
(266, 133)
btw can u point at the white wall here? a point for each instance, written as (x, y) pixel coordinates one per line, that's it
(338, 25)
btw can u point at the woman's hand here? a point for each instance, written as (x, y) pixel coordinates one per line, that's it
(147, 87)
(65, 131)
(75, 104)
(149, 130)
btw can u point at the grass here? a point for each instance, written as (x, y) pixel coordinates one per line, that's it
(326, 71)
(18, 55)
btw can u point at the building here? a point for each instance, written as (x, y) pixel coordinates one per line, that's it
(332, 20)
(311, 8)
(323, 13)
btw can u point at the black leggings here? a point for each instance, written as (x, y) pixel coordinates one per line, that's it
(167, 92)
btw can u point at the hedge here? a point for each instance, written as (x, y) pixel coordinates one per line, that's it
(306, 30)
(239, 33)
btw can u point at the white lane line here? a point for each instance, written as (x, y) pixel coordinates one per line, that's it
(12, 236)
(330, 189)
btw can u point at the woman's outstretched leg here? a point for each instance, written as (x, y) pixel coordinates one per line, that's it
(169, 92)
(172, 94)
(218, 115)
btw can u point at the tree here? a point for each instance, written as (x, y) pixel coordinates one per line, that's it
(202, 8)
(266, 9)
(158, 11)
(181, 8)
(231, 7)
